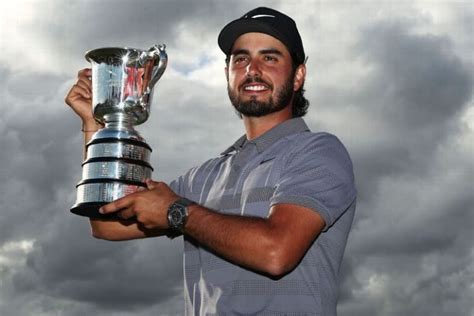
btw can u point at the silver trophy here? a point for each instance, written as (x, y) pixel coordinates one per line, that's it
(117, 161)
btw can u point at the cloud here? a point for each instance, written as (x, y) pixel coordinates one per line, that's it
(52, 36)
(413, 179)
(414, 96)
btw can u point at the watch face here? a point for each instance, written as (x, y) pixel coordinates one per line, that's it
(176, 215)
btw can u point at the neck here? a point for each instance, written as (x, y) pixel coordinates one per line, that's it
(256, 126)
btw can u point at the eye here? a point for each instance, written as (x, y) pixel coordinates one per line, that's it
(239, 59)
(270, 58)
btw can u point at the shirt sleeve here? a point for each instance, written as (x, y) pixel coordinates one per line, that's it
(318, 174)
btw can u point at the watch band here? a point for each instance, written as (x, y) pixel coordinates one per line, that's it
(184, 202)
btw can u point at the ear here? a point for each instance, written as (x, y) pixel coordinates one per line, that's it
(300, 75)
(226, 70)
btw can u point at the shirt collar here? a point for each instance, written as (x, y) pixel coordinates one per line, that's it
(264, 141)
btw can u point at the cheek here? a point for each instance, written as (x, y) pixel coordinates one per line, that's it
(282, 78)
(232, 79)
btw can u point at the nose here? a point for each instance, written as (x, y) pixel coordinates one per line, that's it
(253, 69)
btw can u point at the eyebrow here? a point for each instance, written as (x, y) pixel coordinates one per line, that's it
(261, 52)
(240, 51)
(271, 51)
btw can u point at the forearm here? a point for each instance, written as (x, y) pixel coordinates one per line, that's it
(118, 230)
(247, 241)
(272, 245)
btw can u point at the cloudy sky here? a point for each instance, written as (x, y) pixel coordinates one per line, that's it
(392, 79)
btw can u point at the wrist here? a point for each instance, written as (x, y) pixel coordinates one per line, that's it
(178, 213)
(91, 126)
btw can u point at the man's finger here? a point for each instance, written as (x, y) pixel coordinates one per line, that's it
(85, 82)
(141, 189)
(82, 91)
(150, 184)
(85, 72)
(115, 206)
(126, 213)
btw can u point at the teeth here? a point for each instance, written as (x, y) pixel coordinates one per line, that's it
(255, 88)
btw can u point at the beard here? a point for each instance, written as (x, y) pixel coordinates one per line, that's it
(255, 108)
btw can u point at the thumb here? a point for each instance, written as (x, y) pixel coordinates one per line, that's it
(150, 184)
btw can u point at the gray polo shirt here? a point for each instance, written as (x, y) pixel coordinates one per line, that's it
(288, 164)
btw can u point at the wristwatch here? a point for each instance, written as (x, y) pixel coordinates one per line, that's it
(178, 214)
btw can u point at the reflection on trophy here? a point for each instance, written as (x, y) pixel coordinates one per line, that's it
(117, 156)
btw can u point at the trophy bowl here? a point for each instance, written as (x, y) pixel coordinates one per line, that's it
(117, 159)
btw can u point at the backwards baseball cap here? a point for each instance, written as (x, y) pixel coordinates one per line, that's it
(268, 21)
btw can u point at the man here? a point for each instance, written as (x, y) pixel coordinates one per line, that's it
(265, 224)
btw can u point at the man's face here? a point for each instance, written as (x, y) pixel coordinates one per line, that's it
(260, 75)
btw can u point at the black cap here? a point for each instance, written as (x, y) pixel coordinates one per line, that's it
(268, 21)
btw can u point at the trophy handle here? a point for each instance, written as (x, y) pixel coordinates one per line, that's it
(156, 52)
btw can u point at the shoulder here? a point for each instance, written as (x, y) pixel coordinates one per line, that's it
(317, 173)
(315, 140)
(318, 150)
(317, 145)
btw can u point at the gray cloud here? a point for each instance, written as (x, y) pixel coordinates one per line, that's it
(419, 80)
(416, 91)
(416, 197)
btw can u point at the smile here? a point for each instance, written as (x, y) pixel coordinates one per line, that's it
(255, 88)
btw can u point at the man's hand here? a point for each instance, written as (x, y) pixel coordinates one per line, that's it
(149, 207)
(79, 98)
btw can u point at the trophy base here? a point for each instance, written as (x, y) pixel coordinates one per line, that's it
(91, 210)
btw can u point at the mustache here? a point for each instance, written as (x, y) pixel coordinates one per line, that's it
(255, 79)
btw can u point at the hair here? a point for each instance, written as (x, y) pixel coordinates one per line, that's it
(300, 105)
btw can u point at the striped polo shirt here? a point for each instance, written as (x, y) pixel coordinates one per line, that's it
(287, 164)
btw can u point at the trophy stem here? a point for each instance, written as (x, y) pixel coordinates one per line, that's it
(118, 121)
